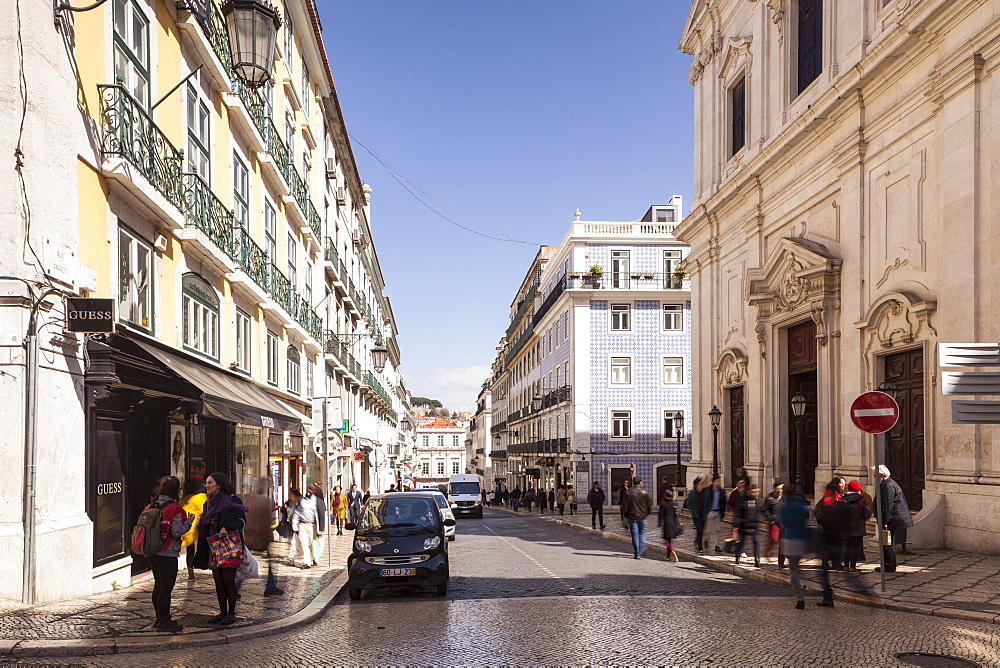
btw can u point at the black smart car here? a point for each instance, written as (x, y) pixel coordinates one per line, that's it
(399, 541)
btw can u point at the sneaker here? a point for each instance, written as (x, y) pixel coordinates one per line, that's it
(701, 551)
(227, 620)
(756, 563)
(800, 605)
(216, 619)
(825, 604)
(673, 557)
(274, 592)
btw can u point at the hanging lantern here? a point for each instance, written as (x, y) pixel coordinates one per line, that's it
(252, 26)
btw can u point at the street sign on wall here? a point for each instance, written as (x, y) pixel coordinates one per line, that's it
(874, 412)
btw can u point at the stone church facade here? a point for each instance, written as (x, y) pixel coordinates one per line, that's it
(844, 224)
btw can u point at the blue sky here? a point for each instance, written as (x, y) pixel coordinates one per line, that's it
(509, 116)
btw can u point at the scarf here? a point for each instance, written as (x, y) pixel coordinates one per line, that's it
(217, 503)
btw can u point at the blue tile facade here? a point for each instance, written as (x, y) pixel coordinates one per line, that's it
(647, 398)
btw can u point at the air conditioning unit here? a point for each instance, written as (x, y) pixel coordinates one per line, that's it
(341, 198)
(331, 169)
(359, 237)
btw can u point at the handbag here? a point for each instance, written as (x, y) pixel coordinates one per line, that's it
(248, 567)
(730, 545)
(225, 551)
(886, 537)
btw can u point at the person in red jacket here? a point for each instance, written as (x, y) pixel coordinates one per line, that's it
(174, 523)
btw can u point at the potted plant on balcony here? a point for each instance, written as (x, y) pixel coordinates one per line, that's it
(594, 275)
(680, 273)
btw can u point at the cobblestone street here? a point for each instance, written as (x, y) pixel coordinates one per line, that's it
(530, 592)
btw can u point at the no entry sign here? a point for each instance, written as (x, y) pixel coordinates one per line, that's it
(874, 412)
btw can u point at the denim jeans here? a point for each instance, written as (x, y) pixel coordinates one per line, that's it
(638, 530)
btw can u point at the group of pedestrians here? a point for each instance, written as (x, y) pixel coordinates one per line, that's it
(213, 525)
(561, 498)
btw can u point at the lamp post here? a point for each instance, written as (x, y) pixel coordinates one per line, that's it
(679, 431)
(379, 353)
(798, 410)
(252, 26)
(887, 387)
(715, 415)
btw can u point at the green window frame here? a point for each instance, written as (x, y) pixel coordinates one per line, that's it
(131, 48)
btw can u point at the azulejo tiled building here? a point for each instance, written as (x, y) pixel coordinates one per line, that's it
(842, 230)
(593, 379)
(230, 228)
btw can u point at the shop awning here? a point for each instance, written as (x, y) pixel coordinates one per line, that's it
(227, 397)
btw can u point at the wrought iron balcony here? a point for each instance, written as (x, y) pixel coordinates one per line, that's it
(498, 454)
(557, 396)
(206, 212)
(550, 299)
(523, 305)
(372, 382)
(521, 340)
(219, 37)
(335, 347)
(129, 132)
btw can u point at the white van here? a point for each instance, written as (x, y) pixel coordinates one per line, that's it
(465, 495)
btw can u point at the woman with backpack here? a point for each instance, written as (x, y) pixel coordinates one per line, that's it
(174, 523)
(224, 514)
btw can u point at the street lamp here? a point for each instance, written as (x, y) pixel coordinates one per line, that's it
(379, 353)
(715, 415)
(887, 387)
(252, 26)
(798, 410)
(679, 430)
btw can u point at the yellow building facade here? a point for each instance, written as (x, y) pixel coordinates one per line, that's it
(230, 227)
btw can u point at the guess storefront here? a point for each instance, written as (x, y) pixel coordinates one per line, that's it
(165, 413)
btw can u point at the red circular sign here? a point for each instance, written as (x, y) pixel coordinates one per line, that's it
(874, 412)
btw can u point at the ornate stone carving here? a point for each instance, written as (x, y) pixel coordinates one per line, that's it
(801, 277)
(761, 332)
(777, 16)
(898, 319)
(732, 367)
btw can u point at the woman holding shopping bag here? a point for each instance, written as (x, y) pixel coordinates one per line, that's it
(338, 508)
(221, 529)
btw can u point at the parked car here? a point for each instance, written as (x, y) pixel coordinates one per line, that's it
(399, 541)
(442, 503)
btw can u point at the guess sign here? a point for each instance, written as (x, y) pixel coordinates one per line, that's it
(90, 315)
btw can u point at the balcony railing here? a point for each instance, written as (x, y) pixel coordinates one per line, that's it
(557, 396)
(373, 383)
(521, 340)
(219, 37)
(498, 454)
(333, 346)
(523, 306)
(130, 133)
(633, 281)
(207, 213)
(550, 299)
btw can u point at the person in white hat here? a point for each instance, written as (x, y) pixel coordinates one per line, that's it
(895, 515)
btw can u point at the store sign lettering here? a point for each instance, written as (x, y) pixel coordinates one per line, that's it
(109, 488)
(90, 315)
(267, 421)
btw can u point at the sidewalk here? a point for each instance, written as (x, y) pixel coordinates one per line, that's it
(942, 583)
(121, 621)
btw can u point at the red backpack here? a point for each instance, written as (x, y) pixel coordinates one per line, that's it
(146, 540)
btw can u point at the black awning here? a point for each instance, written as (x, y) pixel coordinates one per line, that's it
(226, 396)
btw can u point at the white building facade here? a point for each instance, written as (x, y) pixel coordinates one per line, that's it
(439, 452)
(841, 233)
(607, 380)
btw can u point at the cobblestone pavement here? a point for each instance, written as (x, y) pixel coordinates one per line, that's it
(129, 613)
(938, 581)
(523, 592)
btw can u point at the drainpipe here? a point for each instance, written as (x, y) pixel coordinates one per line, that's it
(31, 448)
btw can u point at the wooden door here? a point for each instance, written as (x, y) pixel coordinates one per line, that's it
(905, 447)
(737, 431)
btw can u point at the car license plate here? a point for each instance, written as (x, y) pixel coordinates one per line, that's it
(396, 572)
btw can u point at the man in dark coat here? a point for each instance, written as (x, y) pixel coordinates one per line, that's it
(746, 519)
(596, 498)
(515, 498)
(895, 516)
(636, 506)
(699, 504)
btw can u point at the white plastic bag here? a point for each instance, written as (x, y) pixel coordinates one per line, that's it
(248, 567)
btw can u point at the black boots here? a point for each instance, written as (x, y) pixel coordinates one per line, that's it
(165, 623)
